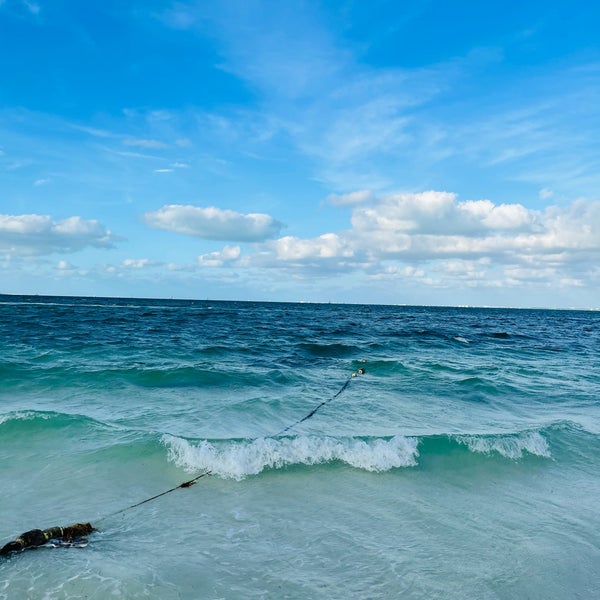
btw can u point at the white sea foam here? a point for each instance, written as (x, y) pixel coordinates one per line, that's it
(510, 446)
(25, 415)
(238, 459)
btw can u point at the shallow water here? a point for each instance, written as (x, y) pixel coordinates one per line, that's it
(463, 463)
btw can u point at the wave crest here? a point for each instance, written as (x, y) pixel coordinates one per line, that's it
(510, 446)
(239, 459)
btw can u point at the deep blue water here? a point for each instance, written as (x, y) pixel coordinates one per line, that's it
(462, 463)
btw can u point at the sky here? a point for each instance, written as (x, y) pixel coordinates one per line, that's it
(394, 152)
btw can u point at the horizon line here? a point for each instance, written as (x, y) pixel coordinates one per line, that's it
(405, 305)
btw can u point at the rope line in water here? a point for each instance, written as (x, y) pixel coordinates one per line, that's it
(37, 537)
(312, 412)
(185, 484)
(191, 482)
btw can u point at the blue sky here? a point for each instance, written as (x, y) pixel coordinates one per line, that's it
(414, 152)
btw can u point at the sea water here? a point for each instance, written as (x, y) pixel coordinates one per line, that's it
(464, 462)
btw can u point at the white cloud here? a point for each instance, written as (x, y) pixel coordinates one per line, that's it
(163, 170)
(351, 199)
(214, 223)
(437, 239)
(64, 269)
(178, 17)
(368, 125)
(438, 213)
(32, 7)
(93, 131)
(137, 263)
(316, 89)
(39, 182)
(142, 143)
(545, 193)
(225, 256)
(39, 234)
(328, 245)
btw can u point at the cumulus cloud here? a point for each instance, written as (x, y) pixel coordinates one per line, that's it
(214, 223)
(435, 224)
(439, 213)
(439, 240)
(40, 234)
(137, 263)
(433, 239)
(221, 258)
(64, 265)
(328, 245)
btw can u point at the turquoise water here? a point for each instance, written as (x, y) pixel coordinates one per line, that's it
(462, 464)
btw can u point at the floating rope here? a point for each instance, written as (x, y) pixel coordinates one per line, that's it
(185, 484)
(313, 412)
(74, 533)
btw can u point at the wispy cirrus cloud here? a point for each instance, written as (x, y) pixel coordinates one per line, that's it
(415, 126)
(143, 143)
(30, 7)
(351, 199)
(313, 89)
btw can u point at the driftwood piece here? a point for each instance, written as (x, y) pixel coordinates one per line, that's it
(38, 537)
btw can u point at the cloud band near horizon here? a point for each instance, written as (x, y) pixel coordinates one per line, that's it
(423, 236)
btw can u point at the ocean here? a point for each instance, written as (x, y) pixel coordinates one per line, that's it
(463, 463)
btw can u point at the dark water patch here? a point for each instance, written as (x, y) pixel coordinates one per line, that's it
(170, 377)
(477, 383)
(192, 376)
(443, 367)
(213, 351)
(91, 377)
(280, 378)
(115, 320)
(328, 350)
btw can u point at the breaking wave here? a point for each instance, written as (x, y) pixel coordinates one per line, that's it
(512, 446)
(239, 459)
